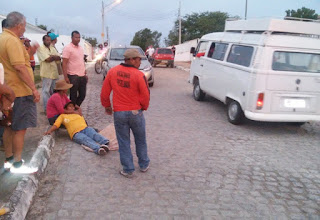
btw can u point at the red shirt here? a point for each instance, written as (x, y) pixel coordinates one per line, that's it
(55, 104)
(129, 86)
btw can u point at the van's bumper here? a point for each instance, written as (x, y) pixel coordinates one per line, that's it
(281, 117)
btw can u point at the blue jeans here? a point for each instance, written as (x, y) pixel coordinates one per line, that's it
(47, 90)
(90, 138)
(123, 122)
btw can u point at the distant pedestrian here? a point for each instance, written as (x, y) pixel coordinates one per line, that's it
(131, 97)
(173, 48)
(19, 77)
(48, 59)
(31, 52)
(150, 52)
(79, 131)
(74, 69)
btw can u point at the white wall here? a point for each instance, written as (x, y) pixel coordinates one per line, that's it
(183, 50)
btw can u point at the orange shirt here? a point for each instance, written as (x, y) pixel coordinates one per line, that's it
(129, 86)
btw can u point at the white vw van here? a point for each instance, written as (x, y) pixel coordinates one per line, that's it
(262, 69)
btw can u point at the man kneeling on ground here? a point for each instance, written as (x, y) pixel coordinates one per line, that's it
(80, 132)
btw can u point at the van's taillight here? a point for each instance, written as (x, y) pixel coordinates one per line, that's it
(260, 101)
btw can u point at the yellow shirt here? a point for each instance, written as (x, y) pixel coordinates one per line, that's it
(48, 69)
(13, 52)
(73, 123)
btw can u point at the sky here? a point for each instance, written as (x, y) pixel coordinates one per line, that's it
(128, 17)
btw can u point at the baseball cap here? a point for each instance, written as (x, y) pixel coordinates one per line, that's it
(53, 36)
(132, 53)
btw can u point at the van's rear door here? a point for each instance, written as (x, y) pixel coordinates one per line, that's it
(294, 82)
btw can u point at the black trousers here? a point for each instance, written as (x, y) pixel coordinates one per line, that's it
(79, 88)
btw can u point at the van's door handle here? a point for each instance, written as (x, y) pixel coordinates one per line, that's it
(201, 65)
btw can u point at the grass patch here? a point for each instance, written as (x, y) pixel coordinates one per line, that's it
(36, 72)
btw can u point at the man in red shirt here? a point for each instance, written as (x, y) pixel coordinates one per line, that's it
(131, 97)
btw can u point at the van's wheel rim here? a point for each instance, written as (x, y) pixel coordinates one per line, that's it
(233, 111)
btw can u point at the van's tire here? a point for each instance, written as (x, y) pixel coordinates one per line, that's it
(234, 112)
(198, 94)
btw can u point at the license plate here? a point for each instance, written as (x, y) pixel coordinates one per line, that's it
(294, 103)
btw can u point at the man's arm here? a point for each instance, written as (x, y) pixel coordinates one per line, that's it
(25, 77)
(52, 129)
(144, 93)
(105, 94)
(52, 58)
(64, 69)
(7, 92)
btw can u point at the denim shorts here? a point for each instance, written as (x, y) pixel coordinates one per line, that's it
(24, 113)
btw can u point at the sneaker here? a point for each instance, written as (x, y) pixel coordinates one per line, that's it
(125, 174)
(23, 169)
(102, 151)
(145, 169)
(105, 147)
(7, 164)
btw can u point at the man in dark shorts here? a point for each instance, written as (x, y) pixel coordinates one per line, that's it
(19, 77)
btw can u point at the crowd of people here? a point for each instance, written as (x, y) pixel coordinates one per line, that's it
(19, 96)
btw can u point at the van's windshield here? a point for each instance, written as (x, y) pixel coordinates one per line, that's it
(296, 62)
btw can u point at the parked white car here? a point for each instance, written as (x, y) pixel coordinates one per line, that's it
(262, 69)
(115, 56)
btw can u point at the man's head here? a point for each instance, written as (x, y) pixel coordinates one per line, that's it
(75, 37)
(16, 22)
(4, 23)
(27, 42)
(54, 37)
(105, 44)
(69, 106)
(46, 40)
(132, 57)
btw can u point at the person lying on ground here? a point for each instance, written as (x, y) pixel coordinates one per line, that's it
(79, 131)
(58, 100)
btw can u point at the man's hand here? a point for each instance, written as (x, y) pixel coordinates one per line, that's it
(108, 110)
(67, 79)
(36, 95)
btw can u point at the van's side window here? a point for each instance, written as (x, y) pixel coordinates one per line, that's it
(296, 62)
(218, 51)
(240, 55)
(201, 49)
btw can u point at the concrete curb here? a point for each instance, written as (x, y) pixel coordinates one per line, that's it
(183, 68)
(22, 196)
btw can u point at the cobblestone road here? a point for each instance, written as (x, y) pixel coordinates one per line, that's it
(202, 167)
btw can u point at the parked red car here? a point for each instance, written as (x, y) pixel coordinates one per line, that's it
(163, 56)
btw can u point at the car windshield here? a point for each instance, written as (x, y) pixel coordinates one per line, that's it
(117, 53)
(296, 62)
(164, 51)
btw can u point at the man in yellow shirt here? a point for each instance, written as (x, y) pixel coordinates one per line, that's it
(48, 59)
(19, 77)
(79, 131)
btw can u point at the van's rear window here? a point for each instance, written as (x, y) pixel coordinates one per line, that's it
(296, 62)
(164, 51)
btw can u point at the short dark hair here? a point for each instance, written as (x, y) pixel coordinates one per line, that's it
(69, 103)
(4, 23)
(74, 32)
(44, 37)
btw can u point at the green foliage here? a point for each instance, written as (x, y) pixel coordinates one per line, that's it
(43, 27)
(92, 40)
(196, 25)
(145, 38)
(302, 13)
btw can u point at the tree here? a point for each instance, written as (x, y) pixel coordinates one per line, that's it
(145, 38)
(43, 27)
(92, 40)
(302, 13)
(196, 25)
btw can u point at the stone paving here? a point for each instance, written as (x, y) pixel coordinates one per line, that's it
(202, 167)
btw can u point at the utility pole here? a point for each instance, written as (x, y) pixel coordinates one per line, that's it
(107, 31)
(36, 21)
(179, 22)
(102, 33)
(245, 15)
